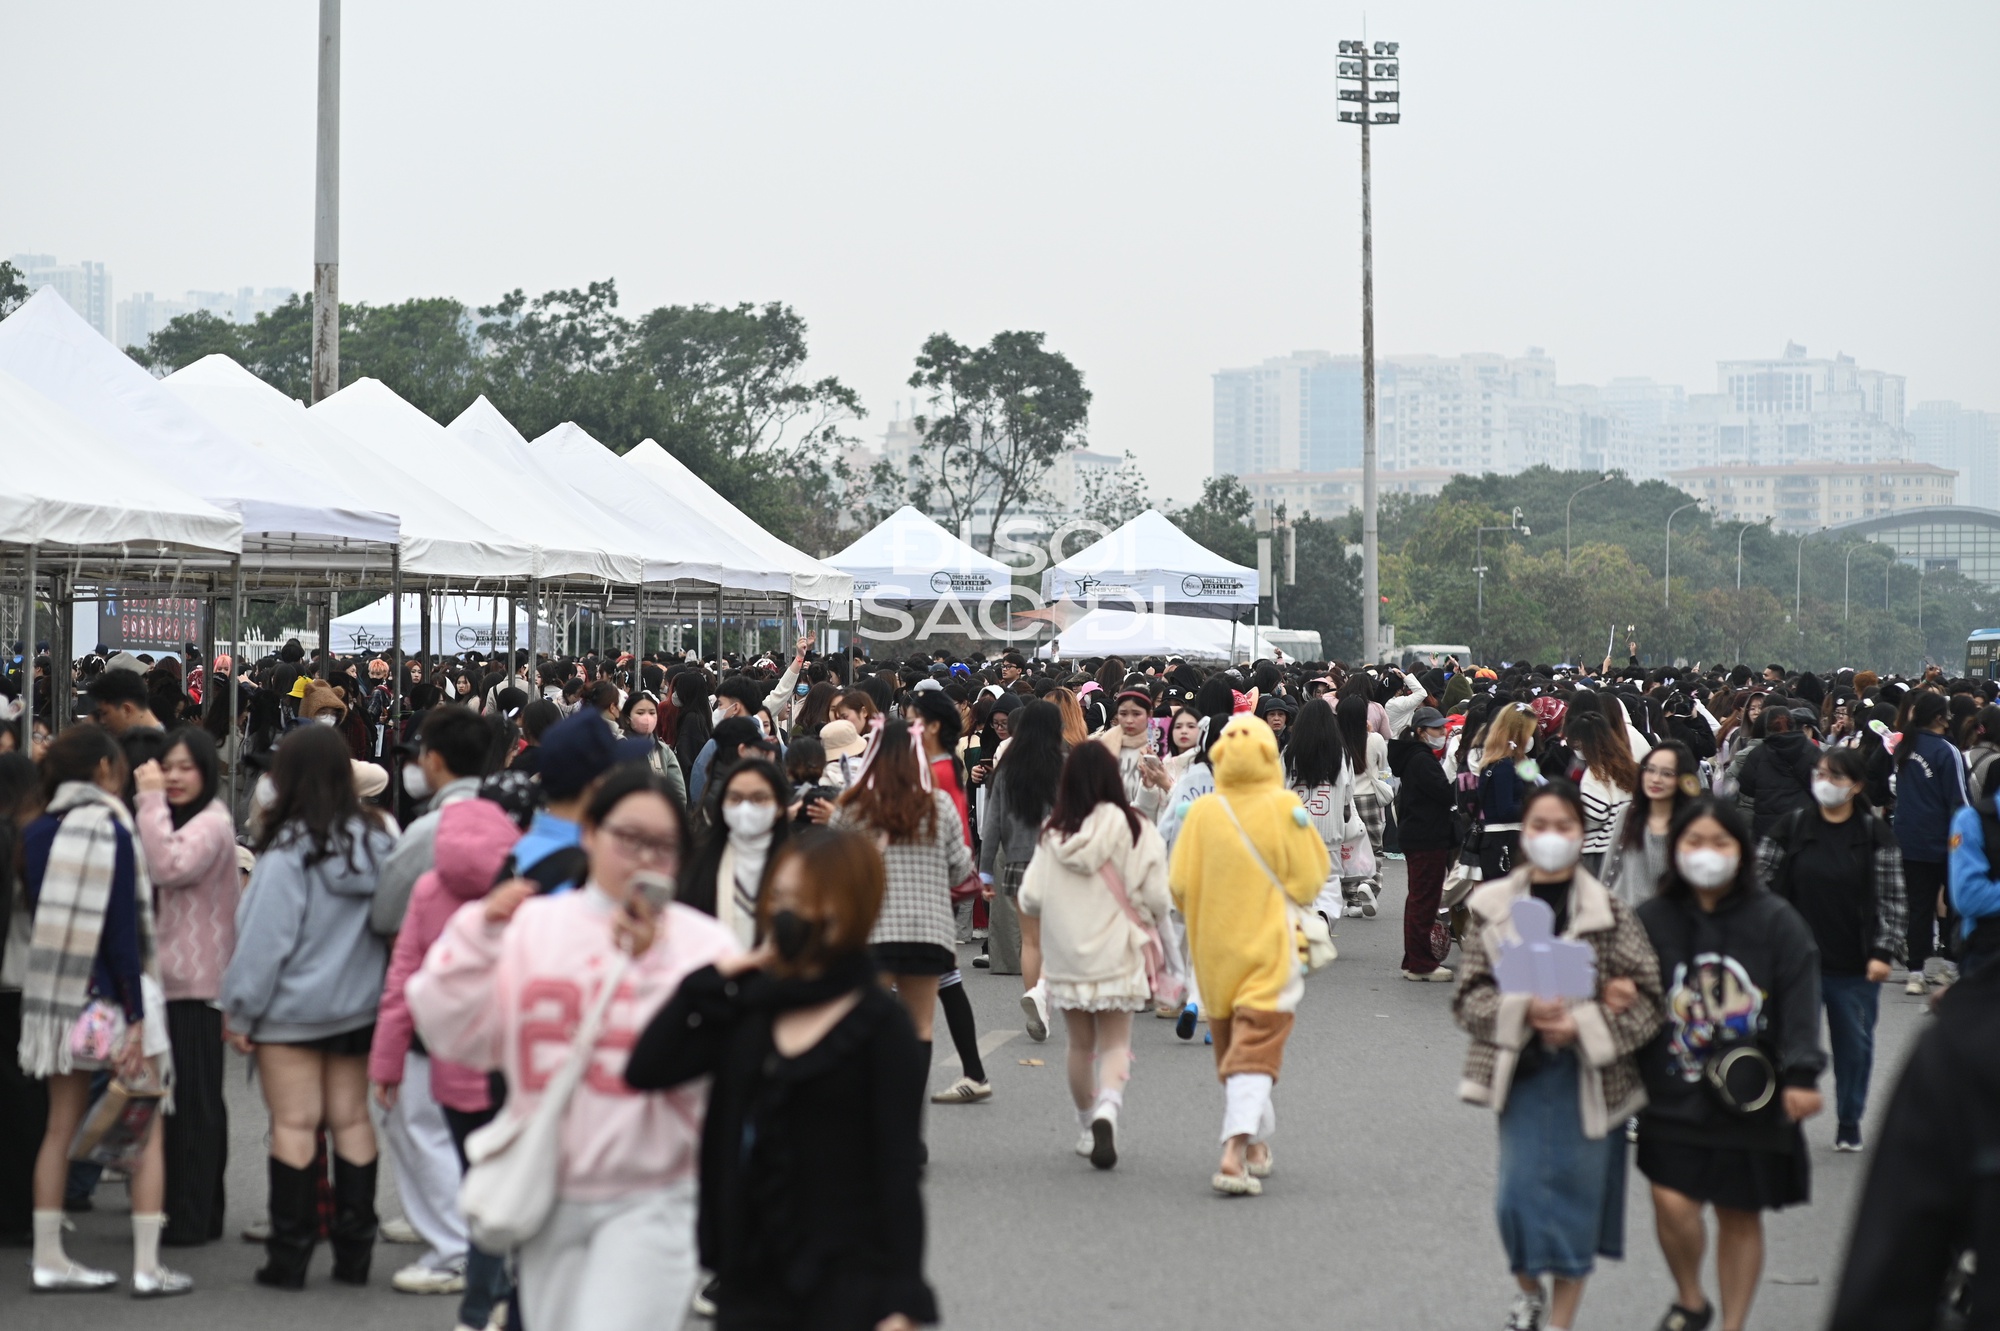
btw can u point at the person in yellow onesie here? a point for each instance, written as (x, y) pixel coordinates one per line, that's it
(1240, 853)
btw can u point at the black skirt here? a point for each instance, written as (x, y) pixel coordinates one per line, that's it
(1741, 1178)
(347, 1044)
(913, 959)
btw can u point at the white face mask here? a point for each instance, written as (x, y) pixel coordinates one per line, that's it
(1706, 869)
(1831, 794)
(1552, 852)
(415, 784)
(327, 719)
(750, 819)
(265, 793)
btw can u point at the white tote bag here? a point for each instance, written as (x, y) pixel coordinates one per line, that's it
(512, 1162)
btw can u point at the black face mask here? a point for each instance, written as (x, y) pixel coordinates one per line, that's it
(793, 934)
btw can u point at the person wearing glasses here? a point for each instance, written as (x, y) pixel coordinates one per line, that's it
(505, 988)
(1636, 858)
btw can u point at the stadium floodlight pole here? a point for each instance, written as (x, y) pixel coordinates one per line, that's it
(326, 211)
(1369, 82)
(1667, 578)
(1572, 499)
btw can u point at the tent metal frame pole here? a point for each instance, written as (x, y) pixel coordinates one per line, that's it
(62, 632)
(235, 655)
(208, 650)
(395, 658)
(721, 642)
(639, 637)
(534, 634)
(513, 638)
(27, 744)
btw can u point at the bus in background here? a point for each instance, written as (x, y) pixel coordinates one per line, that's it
(1982, 654)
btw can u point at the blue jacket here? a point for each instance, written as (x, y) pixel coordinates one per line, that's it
(1930, 788)
(1975, 892)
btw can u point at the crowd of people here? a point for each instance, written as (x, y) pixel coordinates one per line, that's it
(674, 935)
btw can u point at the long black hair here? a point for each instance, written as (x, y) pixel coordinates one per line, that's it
(1352, 714)
(200, 748)
(1672, 885)
(1685, 773)
(1317, 751)
(1089, 779)
(1925, 712)
(314, 801)
(1851, 766)
(699, 887)
(1033, 763)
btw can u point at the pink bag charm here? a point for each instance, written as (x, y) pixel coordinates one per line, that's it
(1166, 987)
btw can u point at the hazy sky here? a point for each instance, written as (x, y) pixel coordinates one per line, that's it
(1162, 188)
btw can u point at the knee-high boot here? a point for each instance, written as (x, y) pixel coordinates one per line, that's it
(354, 1227)
(294, 1227)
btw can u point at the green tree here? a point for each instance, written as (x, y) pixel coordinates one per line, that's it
(1327, 597)
(13, 289)
(1001, 416)
(1116, 496)
(1220, 520)
(424, 349)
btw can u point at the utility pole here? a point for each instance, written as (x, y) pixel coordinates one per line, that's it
(1479, 568)
(326, 211)
(1358, 72)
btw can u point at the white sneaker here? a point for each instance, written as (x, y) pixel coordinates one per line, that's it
(1353, 911)
(1916, 986)
(964, 1091)
(1086, 1143)
(1104, 1136)
(1529, 1313)
(397, 1230)
(1435, 975)
(1038, 1019)
(75, 1278)
(417, 1278)
(160, 1283)
(1368, 906)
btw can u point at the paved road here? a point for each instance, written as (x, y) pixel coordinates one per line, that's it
(1379, 1216)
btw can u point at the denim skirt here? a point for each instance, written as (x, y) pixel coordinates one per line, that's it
(1561, 1200)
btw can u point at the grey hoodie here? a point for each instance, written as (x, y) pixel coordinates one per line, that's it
(307, 965)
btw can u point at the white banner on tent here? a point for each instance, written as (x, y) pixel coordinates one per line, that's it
(1150, 561)
(465, 623)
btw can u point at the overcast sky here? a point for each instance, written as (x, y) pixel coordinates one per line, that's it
(1162, 188)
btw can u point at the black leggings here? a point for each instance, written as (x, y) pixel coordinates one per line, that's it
(197, 1132)
(1924, 879)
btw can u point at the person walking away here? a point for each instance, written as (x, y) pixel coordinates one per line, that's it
(300, 995)
(1741, 973)
(1930, 789)
(1243, 854)
(1561, 1073)
(504, 988)
(1636, 857)
(811, 1206)
(923, 847)
(1018, 799)
(1317, 771)
(1607, 781)
(1098, 884)
(190, 847)
(1500, 787)
(93, 946)
(1839, 866)
(1777, 777)
(473, 839)
(1425, 801)
(1368, 758)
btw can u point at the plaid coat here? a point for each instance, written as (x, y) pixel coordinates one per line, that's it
(1607, 1043)
(917, 906)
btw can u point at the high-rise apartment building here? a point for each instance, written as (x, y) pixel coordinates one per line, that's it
(84, 286)
(1947, 435)
(1300, 412)
(140, 316)
(1805, 496)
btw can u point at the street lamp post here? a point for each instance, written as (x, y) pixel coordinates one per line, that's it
(1847, 580)
(1739, 554)
(1668, 577)
(1369, 82)
(1572, 499)
(1799, 584)
(1479, 567)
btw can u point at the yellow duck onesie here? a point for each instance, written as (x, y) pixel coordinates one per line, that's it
(1240, 939)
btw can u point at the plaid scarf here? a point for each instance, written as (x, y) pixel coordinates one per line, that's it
(69, 920)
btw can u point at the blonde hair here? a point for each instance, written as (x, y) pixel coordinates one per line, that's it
(1075, 731)
(1508, 735)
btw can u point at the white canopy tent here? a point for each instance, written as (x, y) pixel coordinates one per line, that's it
(464, 623)
(492, 488)
(809, 579)
(68, 485)
(1151, 562)
(300, 519)
(438, 538)
(909, 558)
(1127, 633)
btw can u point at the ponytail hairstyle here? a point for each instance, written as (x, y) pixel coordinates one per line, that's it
(1924, 713)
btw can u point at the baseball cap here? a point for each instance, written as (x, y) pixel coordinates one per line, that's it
(1427, 718)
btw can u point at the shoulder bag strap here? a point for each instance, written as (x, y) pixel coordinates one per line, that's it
(1250, 845)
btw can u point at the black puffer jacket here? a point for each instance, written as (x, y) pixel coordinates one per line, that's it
(1425, 800)
(1777, 779)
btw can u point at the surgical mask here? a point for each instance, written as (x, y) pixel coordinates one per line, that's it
(265, 793)
(1831, 794)
(1707, 869)
(792, 933)
(415, 784)
(327, 719)
(1552, 852)
(643, 724)
(750, 819)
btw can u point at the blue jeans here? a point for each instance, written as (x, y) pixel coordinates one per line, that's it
(1851, 1003)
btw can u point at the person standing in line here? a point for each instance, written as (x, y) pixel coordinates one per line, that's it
(1098, 880)
(1776, 778)
(1501, 788)
(641, 720)
(1425, 800)
(504, 988)
(1734, 1072)
(1562, 1074)
(1018, 797)
(1607, 781)
(301, 993)
(24, 1100)
(1129, 738)
(1636, 856)
(1368, 759)
(1317, 771)
(190, 847)
(92, 942)
(1243, 856)
(745, 823)
(1838, 864)
(812, 1212)
(1930, 789)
